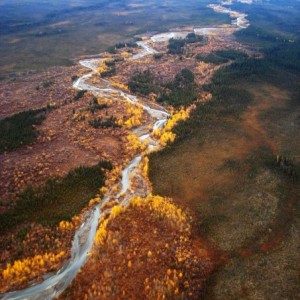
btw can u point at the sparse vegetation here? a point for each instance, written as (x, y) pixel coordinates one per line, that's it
(47, 83)
(100, 123)
(95, 107)
(221, 57)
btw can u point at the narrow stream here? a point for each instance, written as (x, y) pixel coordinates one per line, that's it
(84, 236)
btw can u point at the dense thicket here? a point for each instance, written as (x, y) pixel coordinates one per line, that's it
(113, 49)
(286, 55)
(18, 130)
(182, 91)
(59, 199)
(79, 94)
(143, 83)
(176, 46)
(110, 72)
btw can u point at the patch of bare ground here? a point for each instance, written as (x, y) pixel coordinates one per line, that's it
(226, 176)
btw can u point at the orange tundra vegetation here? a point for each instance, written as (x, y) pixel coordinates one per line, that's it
(154, 258)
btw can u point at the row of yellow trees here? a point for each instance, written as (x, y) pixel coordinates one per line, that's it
(165, 135)
(29, 268)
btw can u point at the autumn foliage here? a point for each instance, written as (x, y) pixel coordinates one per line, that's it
(165, 135)
(37, 259)
(134, 145)
(29, 268)
(154, 258)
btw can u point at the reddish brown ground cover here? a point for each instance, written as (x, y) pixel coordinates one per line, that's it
(145, 255)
